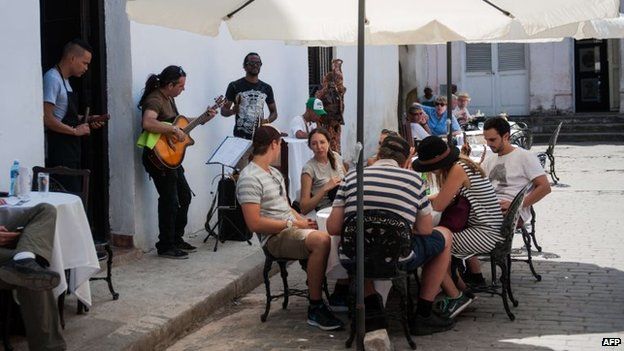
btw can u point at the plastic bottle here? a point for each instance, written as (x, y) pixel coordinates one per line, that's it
(14, 174)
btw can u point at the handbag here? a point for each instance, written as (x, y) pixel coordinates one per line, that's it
(455, 215)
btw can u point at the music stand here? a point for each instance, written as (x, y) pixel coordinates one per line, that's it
(227, 154)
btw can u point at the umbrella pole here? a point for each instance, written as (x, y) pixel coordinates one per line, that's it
(449, 93)
(359, 308)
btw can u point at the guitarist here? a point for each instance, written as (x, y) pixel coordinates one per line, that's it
(159, 111)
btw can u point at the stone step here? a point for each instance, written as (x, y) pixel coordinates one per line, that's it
(579, 137)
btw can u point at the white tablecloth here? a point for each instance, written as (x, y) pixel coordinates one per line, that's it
(73, 244)
(298, 154)
(334, 269)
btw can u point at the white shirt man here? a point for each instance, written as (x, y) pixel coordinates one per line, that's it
(301, 126)
(511, 168)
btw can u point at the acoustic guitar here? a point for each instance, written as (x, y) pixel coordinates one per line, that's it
(168, 151)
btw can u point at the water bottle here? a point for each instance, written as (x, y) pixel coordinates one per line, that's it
(14, 174)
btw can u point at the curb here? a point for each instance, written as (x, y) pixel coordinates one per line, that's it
(165, 335)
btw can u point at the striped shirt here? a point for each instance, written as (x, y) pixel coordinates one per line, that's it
(386, 187)
(258, 186)
(485, 209)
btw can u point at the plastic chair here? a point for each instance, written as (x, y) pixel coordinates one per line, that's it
(387, 238)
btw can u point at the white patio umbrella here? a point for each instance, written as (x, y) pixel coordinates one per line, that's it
(389, 22)
(376, 22)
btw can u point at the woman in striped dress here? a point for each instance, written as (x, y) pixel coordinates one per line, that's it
(459, 176)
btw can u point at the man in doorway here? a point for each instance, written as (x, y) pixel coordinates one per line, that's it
(428, 98)
(285, 233)
(300, 126)
(246, 98)
(509, 169)
(26, 240)
(64, 126)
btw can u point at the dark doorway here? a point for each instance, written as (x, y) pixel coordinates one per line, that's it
(319, 63)
(591, 74)
(62, 21)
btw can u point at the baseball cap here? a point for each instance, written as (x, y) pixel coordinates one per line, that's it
(316, 105)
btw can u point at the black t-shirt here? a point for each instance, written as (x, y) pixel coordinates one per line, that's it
(251, 109)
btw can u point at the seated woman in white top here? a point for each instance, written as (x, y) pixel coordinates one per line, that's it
(321, 175)
(418, 122)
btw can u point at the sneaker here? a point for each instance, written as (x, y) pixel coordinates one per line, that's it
(186, 247)
(29, 274)
(173, 253)
(474, 284)
(450, 307)
(320, 316)
(420, 325)
(338, 302)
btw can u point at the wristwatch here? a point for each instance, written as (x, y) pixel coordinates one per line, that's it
(289, 223)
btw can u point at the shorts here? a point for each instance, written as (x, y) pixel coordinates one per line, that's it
(289, 243)
(425, 247)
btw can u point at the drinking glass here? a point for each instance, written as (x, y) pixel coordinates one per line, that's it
(43, 184)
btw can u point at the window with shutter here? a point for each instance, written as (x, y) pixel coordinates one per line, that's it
(478, 57)
(511, 57)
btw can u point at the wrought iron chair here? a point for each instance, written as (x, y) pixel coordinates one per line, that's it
(521, 135)
(282, 262)
(527, 230)
(387, 238)
(550, 154)
(501, 255)
(103, 247)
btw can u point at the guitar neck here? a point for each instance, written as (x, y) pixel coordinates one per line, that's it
(190, 126)
(197, 120)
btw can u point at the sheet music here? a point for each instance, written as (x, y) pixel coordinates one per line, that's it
(230, 151)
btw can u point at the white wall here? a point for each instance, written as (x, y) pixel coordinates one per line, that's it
(21, 110)
(381, 89)
(551, 76)
(210, 63)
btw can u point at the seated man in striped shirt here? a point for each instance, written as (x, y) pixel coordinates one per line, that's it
(286, 234)
(389, 186)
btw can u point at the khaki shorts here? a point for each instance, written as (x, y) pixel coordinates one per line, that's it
(289, 243)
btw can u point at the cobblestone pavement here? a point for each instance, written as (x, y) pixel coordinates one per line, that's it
(579, 301)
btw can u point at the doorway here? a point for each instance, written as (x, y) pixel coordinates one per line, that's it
(591, 75)
(496, 76)
(62, 21)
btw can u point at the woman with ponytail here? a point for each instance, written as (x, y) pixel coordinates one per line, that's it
(321, 175)
(159, 111)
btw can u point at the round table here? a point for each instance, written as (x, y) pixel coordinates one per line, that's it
(73, 244)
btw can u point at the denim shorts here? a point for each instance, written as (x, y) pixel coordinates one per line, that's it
(425, 247)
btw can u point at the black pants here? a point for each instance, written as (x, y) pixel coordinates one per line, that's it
(174, 198)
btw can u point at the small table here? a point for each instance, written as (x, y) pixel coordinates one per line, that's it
(298, 154)
(73, 244)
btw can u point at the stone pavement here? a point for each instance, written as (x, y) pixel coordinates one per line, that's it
(579, 301)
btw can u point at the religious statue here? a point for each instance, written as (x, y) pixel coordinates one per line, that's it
(332, 96)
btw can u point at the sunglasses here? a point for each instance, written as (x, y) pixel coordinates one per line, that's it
(281, 193)
(254, 63)
(439, 104)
